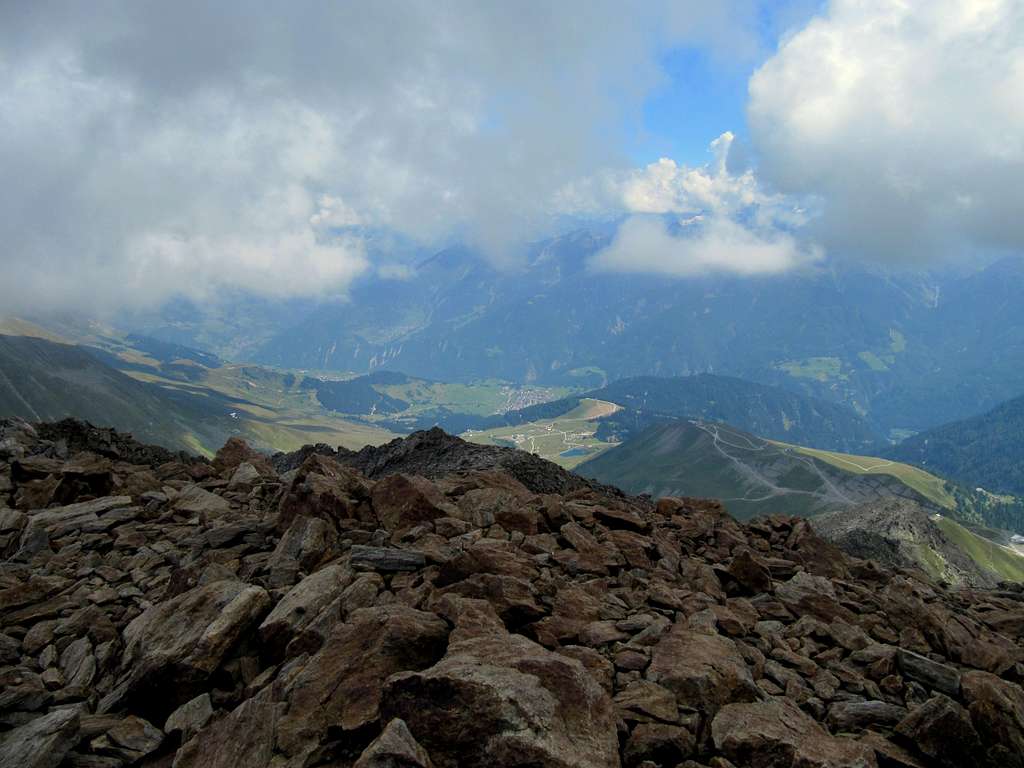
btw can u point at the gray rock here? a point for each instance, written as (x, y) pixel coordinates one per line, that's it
(198, 501)
(172, 648)
(776, 734)
(394, 748)
(42, 742)
(386, 559)
(302, 605)
(190, 717)
(931, 674)
(858, 715)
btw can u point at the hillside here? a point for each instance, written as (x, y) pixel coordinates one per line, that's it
(901, 533)
(323, 616)
(770, 411)
(165, 394)
(752, 476)
(985, 451)
(44, 380)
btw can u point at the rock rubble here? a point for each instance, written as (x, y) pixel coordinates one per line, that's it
(432, 603)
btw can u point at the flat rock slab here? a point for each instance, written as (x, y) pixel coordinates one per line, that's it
(366, 558)
(40, 743)
(931, 674)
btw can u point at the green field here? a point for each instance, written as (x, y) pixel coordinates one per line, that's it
(928, 485)
(481, 398)
(817, 368)
(567, 440)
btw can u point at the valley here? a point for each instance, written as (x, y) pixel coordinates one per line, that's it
(567, 440)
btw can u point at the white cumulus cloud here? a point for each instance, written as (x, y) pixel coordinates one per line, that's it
(907, 119)
(725, 221)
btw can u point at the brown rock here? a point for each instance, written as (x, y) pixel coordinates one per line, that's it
(401, 502)
(243, 738)
(942, 730)
(776, 734)
(172, 648)
(394, 748)
(997, 711)
(340, 687)
(510, 702)
(703, 671)
(750, 573)
(659, 743)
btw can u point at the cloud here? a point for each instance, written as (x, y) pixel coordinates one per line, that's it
(722, 221)
(906, 119)
(153, 149)
(646, 245)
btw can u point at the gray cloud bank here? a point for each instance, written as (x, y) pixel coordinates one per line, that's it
(159, 149)
(152, 149)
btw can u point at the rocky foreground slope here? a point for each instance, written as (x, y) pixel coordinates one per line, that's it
(433, 603)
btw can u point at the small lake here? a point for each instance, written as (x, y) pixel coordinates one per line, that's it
(575, 452)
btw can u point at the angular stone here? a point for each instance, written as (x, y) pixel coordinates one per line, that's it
(42, 742)
(394, 748)
(340, 687)
(243, 738)
(997, 711)
(931, 674)
(750, 573)
(858, 715)
(942, 730)
(190, 717)
(131, 739)
(301, 606)
(401, 502)
(509, 702)
(776, 734)
(386, 559)
(198, 501)
(644, 701)
(659, 743)
(172, 648)
(703, 671)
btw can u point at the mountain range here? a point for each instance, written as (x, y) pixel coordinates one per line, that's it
(908, 349)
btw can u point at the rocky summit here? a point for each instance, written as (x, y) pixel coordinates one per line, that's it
(434, 603)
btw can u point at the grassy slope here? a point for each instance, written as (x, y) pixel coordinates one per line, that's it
(1002, 561)
(551, 438)
(925, 483)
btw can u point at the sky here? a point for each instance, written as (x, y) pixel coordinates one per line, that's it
(151, 150)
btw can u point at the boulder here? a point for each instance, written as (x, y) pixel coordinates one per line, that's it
(931, 674)
(776, 734)
(508, 702)
(194, 500)
(243, 738)
(394, 748)
(190, 717)
(174, 647)
(942, 730)
(703, 671)
(340, 688)
(324, 489)
(401, 502)
(301, 606)
(997, 711)
(750, 573)
(42, 742)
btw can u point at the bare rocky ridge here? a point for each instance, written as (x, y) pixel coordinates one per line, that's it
(900, 533)
(429, 604)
